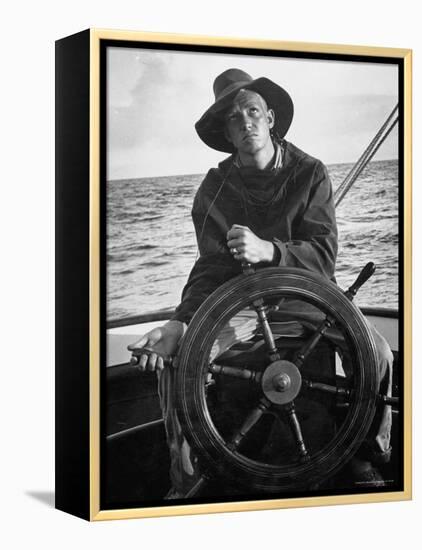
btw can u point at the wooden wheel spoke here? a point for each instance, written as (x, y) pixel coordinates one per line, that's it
(267, 333)
(302, 354)
(249, 423)
(345, 393)
(235, 372)
(294, 424)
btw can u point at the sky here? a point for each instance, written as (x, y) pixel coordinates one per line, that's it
(156, 96)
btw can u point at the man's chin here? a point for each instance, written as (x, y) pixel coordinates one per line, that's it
(249, 148)
(250, 140)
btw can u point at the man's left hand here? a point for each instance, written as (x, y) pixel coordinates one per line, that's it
(245, 246)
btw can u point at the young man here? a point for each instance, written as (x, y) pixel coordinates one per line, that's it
(268, 204)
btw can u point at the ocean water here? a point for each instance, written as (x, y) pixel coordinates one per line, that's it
(151, 243)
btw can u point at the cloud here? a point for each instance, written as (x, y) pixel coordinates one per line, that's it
(159, 112)
(338, 129)
(155, 98)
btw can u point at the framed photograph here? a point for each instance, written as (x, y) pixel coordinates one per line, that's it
(233, 274)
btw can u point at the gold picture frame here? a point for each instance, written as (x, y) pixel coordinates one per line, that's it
(80, 84)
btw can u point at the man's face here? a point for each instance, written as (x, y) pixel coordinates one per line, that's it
(248, 122)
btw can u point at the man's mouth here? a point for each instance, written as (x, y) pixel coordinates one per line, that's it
(249, 136)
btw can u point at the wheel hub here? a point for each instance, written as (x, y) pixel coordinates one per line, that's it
(281, 382)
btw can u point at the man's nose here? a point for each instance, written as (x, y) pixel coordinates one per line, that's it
(246, 121)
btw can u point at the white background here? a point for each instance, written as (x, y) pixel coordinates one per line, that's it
(29, 29)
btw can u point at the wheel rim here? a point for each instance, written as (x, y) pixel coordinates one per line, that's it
(216, 456)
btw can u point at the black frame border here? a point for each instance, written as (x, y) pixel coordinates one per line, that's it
(180, 47)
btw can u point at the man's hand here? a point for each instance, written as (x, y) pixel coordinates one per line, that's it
(246, 246)
(162, 341)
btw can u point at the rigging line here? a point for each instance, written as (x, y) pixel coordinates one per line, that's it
(340, 196)
(210, 206)
(364, 159)
(365, 154)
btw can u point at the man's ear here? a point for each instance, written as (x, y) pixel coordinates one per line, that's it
(271, 118)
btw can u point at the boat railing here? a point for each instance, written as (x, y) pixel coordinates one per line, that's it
(165, 314)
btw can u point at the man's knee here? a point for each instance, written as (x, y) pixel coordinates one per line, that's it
(384, 353)
(385, 359)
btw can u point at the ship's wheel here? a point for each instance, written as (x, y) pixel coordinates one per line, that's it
(283, 390)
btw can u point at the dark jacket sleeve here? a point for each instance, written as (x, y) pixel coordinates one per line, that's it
(313, 243)
(215, 264)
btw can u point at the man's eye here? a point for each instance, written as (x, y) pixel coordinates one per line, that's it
(232, 120)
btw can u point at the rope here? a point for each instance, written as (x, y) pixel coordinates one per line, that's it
(210, 206)
(366, 156)
(362, 161)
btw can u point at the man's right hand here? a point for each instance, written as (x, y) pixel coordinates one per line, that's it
(162, 341)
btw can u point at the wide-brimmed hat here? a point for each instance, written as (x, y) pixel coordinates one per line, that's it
(210, 126)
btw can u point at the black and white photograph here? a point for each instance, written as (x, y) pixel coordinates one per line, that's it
(137, 203)
(253, 281)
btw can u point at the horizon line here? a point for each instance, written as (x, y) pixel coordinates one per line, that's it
(203, 173)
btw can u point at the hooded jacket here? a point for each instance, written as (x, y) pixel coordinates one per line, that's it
(291, 206)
